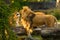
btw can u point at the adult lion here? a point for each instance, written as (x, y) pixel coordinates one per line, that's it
(14, 19)
(28, 14)
(48, 20)
(30, 19)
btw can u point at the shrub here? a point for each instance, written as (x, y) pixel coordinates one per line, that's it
(4, 25)
(56, 13)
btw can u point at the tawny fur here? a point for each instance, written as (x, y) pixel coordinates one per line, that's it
(39, 19)
(13, 18)
(48, 20)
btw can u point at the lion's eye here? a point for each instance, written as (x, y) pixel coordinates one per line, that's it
(18, 14)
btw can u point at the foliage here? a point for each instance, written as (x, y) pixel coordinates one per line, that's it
(5, 12)
(4, 24)
(55, 12)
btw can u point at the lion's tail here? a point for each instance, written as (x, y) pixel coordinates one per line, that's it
(56, 25)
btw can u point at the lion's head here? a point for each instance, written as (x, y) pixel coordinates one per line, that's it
(14, 19)
(26, 11)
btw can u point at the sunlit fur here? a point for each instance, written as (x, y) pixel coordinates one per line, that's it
(38, 20)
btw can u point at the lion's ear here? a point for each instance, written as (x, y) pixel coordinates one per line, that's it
(25, 10)
(31, 14)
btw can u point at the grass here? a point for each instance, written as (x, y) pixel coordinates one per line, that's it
(35, 37)
(38, 37)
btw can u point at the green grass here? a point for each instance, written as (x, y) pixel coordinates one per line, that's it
(38, 37)
(35, 37)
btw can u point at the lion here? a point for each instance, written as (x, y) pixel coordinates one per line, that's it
(31, 19)
(40, 14)
(47, 20)
(14, 19)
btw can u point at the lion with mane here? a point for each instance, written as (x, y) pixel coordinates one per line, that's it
(38, 17)
(32, 19)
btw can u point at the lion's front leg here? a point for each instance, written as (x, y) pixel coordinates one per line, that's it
(28, 29)
(26, 25)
